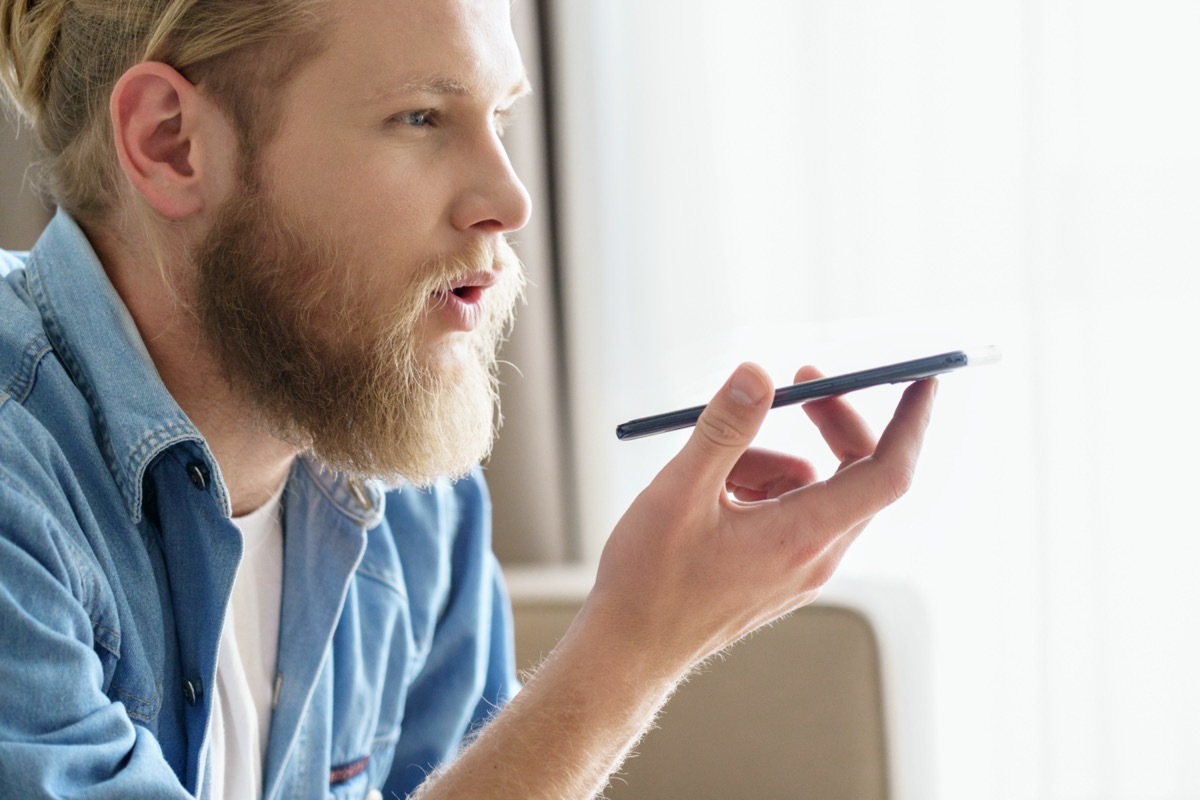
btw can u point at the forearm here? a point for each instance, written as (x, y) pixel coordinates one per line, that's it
(568, 730)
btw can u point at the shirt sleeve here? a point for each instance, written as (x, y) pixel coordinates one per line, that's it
(60, 735)
(470, 671)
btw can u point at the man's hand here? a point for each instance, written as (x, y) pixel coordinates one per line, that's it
(728, 538)
(724, 540)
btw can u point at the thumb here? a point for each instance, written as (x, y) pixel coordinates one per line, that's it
(727, 427)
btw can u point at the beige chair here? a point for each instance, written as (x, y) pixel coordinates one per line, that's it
(831, 703)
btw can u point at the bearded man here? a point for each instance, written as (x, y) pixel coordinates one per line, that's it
(246, 376)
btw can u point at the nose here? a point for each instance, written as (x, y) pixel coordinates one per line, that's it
(493, 199)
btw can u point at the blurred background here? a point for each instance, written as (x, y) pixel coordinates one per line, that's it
(844, 182)
(847, 183)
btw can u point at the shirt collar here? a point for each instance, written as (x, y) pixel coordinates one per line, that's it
(363, 501)
(99, 345)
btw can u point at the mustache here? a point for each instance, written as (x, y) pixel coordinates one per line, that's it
(439, 276)
(432, 282)
(442, 273)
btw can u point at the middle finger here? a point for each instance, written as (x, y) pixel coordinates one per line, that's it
(844, 430)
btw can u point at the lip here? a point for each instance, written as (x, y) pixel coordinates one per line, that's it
(462, 304)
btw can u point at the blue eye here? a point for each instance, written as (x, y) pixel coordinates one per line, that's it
(416, 119)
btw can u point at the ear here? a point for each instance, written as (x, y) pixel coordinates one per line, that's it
(174, 146)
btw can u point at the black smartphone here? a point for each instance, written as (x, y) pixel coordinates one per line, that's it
(822, 387)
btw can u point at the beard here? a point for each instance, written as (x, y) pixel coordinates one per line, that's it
(299, 333)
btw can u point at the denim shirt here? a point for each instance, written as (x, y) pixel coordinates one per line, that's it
(117, 557)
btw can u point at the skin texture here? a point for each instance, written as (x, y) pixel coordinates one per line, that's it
(389, 149)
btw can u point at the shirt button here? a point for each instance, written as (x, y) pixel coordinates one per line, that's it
(192, 690)
(198, 475)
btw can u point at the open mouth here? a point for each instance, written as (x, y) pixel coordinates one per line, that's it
(468, 294)
(470, 288)
(462, 300)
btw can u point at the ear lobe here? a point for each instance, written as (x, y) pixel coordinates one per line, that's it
(158, 121)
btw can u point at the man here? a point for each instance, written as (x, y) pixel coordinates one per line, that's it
(274, 288)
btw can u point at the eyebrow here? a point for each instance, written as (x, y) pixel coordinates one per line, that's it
(437, 85)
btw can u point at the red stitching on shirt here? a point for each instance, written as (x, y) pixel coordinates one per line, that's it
(347, 771)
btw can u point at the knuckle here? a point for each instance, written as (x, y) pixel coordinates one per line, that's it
(898, 481)
(719, 431)
(822, 573)
(813, 567)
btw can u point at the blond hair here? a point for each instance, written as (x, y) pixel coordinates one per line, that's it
(59, 61)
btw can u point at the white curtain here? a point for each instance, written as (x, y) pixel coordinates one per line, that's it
(847, 182)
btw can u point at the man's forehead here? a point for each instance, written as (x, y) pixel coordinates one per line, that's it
(438, 47)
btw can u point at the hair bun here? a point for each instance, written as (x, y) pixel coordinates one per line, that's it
(29, 32)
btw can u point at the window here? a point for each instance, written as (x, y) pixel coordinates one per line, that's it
(848, 182)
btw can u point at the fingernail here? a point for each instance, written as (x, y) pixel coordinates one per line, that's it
(747, 387)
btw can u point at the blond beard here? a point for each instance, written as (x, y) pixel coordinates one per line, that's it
(326, 370)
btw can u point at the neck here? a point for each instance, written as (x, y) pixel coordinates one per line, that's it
(253, 462)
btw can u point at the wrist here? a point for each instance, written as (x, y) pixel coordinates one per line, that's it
(621, 653)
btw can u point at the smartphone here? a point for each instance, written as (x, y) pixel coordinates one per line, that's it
(822, 387)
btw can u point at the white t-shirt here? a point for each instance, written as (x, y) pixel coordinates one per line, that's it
(246, 658)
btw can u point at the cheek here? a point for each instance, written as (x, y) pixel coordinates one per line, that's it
(382, 212)
(384, 273)
(381, 223)
(368, 187)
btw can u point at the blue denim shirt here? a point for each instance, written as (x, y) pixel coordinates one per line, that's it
(117, 557)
